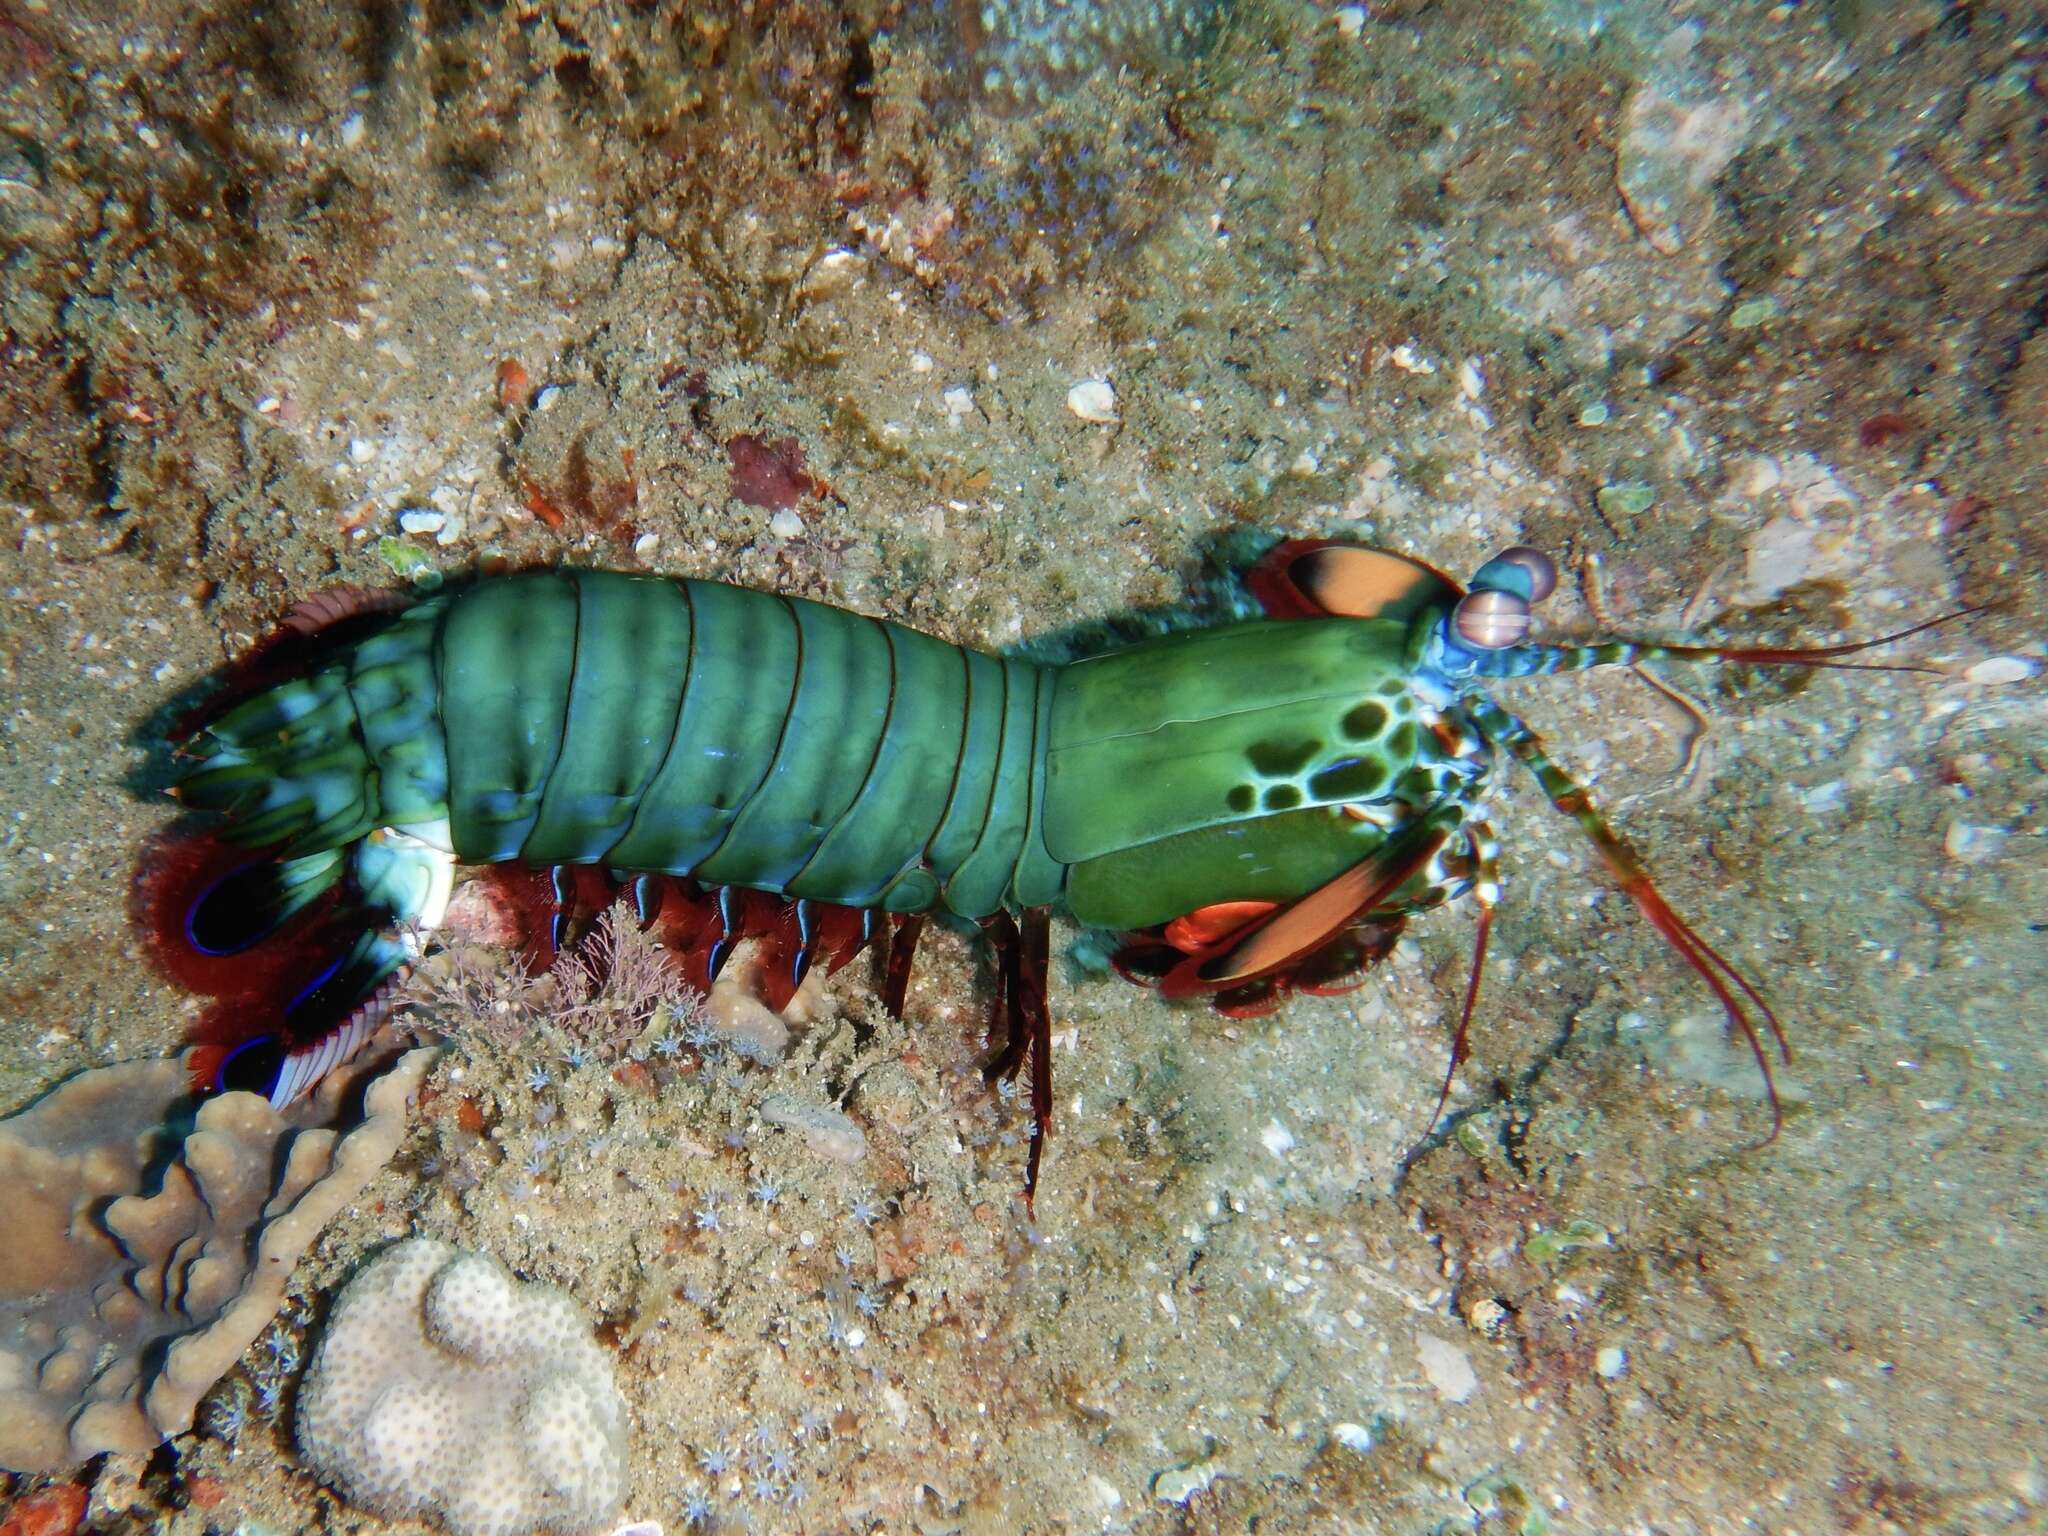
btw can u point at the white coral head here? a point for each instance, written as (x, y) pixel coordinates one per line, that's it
(473, 1309)
(446, 1387)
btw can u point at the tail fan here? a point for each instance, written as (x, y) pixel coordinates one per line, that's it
(301, 956)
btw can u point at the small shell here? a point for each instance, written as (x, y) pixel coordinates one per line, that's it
(1093, 400)
(1993, 670)
(786, 525)
(420, 520)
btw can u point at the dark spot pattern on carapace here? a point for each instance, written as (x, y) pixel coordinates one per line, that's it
(1282, 797)
(1242, 797)
(1277, 760)
(1354, 778)
(1402, 742)
(1364, 722)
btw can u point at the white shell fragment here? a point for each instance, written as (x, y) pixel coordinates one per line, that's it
(1093, 400)
(786, 524)
(1448, 1368)
(1995, 670)
(825, 1130)
(419, 520)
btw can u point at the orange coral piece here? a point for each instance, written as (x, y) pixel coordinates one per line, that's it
(514, 387)
(46, 1512)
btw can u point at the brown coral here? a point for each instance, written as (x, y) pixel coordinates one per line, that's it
(119, 1308)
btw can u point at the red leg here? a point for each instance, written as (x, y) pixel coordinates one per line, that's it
(1006, 1035)
(902, 953)
(1034, 958)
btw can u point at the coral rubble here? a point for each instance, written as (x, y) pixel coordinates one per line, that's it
(1026, 52)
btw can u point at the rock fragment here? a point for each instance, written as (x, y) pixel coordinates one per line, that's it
(1672, 148)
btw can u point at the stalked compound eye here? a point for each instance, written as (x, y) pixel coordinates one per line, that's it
(1491, 621)
(1541, 568)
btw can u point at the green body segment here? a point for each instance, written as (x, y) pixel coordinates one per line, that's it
(1213, 766)
(619, 721)
(644, 724)
(732, 690)
(507, 656)
(742, 738)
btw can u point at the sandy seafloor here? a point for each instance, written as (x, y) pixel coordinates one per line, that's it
(1364, 272)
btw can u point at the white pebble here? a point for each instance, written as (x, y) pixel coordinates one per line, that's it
(786, 524)
(352, 129)
(1350, 20)
(1179, 1484)
(1406, 358)
(361, 450)
(920, 362)
(1093, 400)
(419, 520)
(1993, 670)
(645, 546)
(1278, 1139)
(1611, 1361)
(1968, 843)
(959, 400)
(1353, 1437)
(1824, 798)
